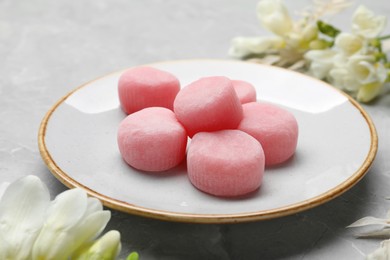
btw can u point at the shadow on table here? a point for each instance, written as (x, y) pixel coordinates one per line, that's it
(289, 237)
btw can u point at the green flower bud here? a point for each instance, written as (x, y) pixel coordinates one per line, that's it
(327, 29)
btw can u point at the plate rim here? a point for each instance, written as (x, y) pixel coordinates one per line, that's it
(129, 208)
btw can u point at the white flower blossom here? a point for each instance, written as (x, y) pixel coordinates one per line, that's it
(366, 24)
(274, 17)
(22, 209)
(33, 227)
(105, 248)
(321, 62)
(368, 92)
(383, 252)
(354, 62)
(72, 220)
(349, 43)
(366, 70)
(309, 32)
(341, 78)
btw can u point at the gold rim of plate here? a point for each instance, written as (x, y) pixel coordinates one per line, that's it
(210, 218)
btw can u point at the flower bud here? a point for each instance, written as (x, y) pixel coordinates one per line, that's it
(369, 91)
(349, 43)
(274, 16)
(105, 248)
(366, 24)
(319, 44)
(310, 32)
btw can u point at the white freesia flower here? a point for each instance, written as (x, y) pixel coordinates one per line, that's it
(321, 62)
(349, 43)
(382, 253)
(366, 24)
(105, 248)
(244, 46)
(295, 40)
(361, 75)
(274, 16)
(22, 209)
(366, 70)
(309, 32)
(368, 92)
(341, 78)
(370, 221)
(354, 62)
(72, 220)
(33, 227)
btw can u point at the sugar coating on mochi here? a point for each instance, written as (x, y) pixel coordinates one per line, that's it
(152, 139)
(246, 92)
(142, 87)
(208, 104)
(274, 127)
(225, 163)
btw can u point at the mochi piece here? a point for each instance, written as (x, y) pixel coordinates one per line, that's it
(208, 104)
(246, 92)
(142, 87)
(225, 163)
(152, 139)
(274, 127)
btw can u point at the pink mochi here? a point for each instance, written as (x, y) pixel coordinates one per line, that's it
(246, 92)
(152, 139)
(225, 163)
(208, 104)
(142, 87)
(274, 127)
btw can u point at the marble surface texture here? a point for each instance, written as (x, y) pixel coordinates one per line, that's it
(48, 48)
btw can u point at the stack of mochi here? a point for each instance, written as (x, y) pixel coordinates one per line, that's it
(233, 137)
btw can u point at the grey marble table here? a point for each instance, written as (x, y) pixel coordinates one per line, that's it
(47, 48)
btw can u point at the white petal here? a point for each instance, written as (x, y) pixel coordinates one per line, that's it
(368, 92)
(321, 62)
(64, 214)
(92, 225)
(382, 253)
(22, 209)
(51, 244)
(370, 221)
(366, 70)
(341, 78)
(105, 248)
(93, 205)
(381, 72)
(60, 244)
(320, 55)
(349, 43)
(274, 17)
(310, 32)
(366, 24)
(67, 209)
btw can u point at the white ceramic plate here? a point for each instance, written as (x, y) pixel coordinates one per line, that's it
(337, 144)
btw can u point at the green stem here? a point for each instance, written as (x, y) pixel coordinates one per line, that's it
(384, 37)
